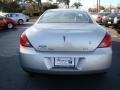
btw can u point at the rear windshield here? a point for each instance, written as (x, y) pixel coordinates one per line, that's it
(114, 15)
(65, 17)
(104, 14)
(118, 15)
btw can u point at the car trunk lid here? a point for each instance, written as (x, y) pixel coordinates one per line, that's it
(65, 37)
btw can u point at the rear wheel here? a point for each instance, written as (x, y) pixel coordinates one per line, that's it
(20, 21)
(10, 25)
(27, 20)
(31, 74)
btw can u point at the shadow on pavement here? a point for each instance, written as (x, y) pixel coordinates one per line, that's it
(12, 77)
(110, 81)
(52, 82)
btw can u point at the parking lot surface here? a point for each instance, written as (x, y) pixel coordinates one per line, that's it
(12, 77)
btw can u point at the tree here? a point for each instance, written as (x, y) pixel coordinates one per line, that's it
(39, 5)
(92, 9)
(18, 1)
(118, 6)
(47, 6)
(30, 1)
(102, 8)
(67, 2)
(10, 7)
(77, 4)
(36, 2)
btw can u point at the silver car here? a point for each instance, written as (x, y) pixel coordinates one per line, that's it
(20, 18)
(65, 41)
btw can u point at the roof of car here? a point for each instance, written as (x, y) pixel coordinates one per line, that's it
(66, 10)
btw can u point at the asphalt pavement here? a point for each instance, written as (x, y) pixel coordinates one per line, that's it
(12, 77)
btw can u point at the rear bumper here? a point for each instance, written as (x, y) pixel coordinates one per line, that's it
(43, 62)
(27, 20)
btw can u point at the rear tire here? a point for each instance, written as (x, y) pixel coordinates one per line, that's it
(10, 25)
(31, 74)
(20, 21)
(27, 20)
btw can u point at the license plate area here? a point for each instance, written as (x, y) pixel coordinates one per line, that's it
(64, 62)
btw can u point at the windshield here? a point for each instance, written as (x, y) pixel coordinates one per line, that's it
(65, 17)
(114, 15)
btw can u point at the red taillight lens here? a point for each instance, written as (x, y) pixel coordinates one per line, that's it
(24, 41)
(104, 17)
(99, 16)
(106, 42)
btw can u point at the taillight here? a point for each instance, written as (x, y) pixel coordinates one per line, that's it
(106, 42)
(104, 17)
(24, 41)
(99, 16)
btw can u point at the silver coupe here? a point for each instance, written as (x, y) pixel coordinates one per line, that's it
(65, 41)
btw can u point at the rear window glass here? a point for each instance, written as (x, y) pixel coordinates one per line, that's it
(65, 17)
(112, 15)
(9, 15)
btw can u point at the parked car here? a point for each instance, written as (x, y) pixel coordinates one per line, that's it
(66, 42)
(18, 17)
(27, 18)
(100, 17)
(104, 17)
(93, 14)
(116, 21)
(6, 23)
(110, 19)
